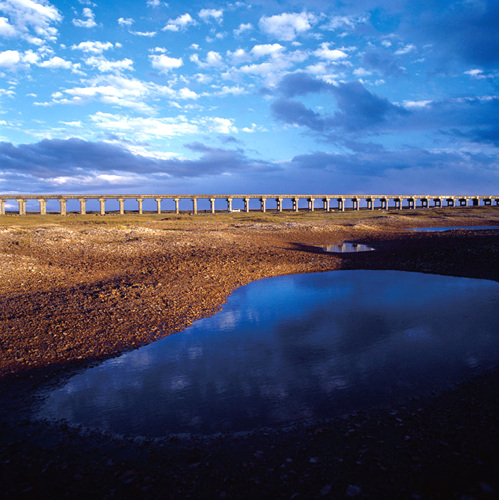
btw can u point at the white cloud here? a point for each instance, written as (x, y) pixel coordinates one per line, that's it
(88, 22)
(239, 56)
(164, 64)
(179, 23)
(94, 47)
(30, 57)
(329, 54)
(27, 15)
(267, 49)
(56, 63)
(271, 71)
(242, 28)
(362, 72)
(224, 91)
(287, 26)
(148, 34)
(213, 60)
(77, 124)
(105, 66)
(145, 128)
(416, 104)
(254, 128)
(405, 50)
(114, 90)
(9, 59)
(343, 22)
(185, 93)
(95, 178)
(6, 29)
(475, 73)
(220, 125)
(125, 22)
(208, 14)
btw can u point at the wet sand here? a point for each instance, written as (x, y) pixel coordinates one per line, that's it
(77, 290)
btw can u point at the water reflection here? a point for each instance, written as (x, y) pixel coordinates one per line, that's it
(451, 228)
(346, 247)
(294, 348)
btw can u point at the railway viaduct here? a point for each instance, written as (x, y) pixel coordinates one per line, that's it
(328, 202)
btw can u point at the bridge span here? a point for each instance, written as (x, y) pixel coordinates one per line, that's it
(327, 202)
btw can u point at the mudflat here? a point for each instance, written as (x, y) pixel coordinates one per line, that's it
(78, 289)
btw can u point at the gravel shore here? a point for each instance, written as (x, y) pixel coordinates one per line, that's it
(77, 290)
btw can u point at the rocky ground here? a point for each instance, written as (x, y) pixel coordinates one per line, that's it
(77, 290)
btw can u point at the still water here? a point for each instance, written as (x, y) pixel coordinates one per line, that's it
(452, 228)
(346, 247)
(294, 348)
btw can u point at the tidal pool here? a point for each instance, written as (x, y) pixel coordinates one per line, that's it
(346, 247)
(290, 349)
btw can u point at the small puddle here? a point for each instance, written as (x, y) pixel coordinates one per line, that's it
(452, 228)
(346, 247)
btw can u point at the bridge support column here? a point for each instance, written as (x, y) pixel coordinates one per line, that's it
(63, 206)
(279, 204)
(102, 202)
(43, 206)
(355, 204)
(140, 201)
(325, 204)
(311, 204)
(263, 208)
(398, 203)
(177, 211)
(22, 206)
(83, 206)
(229, 204)
(194, 206)
(2, 207)
(384, 204)
(246, 205)
(121, 201)
(295, 204)
(158, 202)
(487, 202)
(212, 205)
(341, 204)
(370, 204)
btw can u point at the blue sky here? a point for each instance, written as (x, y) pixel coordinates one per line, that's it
(146, 96)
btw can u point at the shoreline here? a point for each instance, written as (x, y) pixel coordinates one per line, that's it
(162, 274)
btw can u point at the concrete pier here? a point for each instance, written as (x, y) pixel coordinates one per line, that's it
(62, 202)
(344, 202)
(43, 206)
(102, 202)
